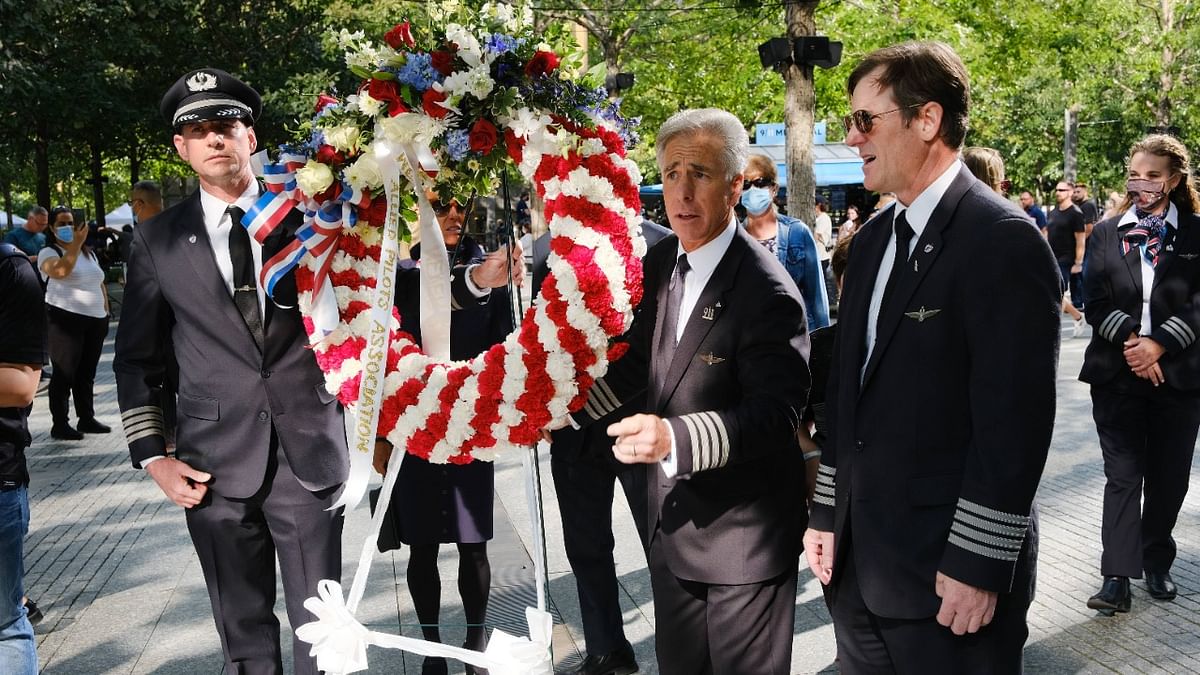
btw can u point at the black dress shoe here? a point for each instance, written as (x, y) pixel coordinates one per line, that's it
(1114, 596)
(1160, 586)
(33, 612)
(92, 426)
(65, 433)
(619, 662)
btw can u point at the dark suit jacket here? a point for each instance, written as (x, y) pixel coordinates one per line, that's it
(1113, 283)
(732, 395)
(231, 397)
(935, 457)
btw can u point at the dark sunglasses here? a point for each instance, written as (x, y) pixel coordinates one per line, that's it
(758, 183)
(441, 208)
(1063, 189)
(864, 121)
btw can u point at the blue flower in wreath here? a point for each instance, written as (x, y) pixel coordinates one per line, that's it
(458, 144)
(418, 72)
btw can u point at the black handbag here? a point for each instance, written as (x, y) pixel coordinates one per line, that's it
(389, 532)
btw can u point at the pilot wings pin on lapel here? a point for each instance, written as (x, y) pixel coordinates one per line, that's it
(1189, 256)
(710, 359)
(921, 314)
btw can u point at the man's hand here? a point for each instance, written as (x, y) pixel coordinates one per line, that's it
(818, 549)
(641, 439)
(1077, 268)
(179, 482)
(383, 454)
(1142, 352)
(493, 271)
(1154, 373)
(965, 609)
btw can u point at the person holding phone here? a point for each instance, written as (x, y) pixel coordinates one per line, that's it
(77, 307)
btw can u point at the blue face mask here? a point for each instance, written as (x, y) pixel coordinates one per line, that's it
(65, 233)
(756, 200)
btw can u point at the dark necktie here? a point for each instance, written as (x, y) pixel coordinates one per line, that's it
(245, 289)
(904, 235)
(667, 339)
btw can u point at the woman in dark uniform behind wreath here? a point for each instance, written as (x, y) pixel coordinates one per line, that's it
(1142, 279)
(436, 504)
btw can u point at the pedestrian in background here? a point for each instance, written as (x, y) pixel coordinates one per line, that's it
(787, 238)
(22, 351)
(1143, 300)
(77, 305)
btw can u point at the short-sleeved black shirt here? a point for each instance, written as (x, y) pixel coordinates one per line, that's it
(22, 340)
(1090, 213)
(1062, 226)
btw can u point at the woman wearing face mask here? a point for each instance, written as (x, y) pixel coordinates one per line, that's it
(435, 504)
(1141, 276)
(77, 306)
(788, 238)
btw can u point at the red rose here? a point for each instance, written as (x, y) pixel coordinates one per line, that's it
(542, 63)
(442, 61)
(383, 90)
(327, 154)
(430, 101)
(324, 101)
(482, 137)
(400, 36)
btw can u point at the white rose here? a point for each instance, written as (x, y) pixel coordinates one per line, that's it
(314, 177)
(364, 173)
(344, 138)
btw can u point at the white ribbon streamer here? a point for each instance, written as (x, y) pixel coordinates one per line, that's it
(339, 641)
(435, 270)
(374, 356)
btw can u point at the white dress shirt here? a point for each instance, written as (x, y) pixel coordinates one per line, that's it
(918, 214)
(217, 224)
(1172, 218)
(703, 262)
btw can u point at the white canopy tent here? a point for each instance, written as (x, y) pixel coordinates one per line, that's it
(122, 215)
(10, 221)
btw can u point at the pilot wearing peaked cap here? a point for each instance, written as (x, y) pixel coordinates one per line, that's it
(210, 94)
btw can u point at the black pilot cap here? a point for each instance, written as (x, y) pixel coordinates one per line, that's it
(209, 94)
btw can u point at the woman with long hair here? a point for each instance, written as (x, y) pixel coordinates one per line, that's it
(1141, 276)
(77, 307)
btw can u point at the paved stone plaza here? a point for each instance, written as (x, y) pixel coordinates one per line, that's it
(110, 563)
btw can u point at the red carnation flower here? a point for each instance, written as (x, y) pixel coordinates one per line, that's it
(400, 36)
(483, 136)
(542, 63)
(324, 101)
(376, 213)
(430, 101)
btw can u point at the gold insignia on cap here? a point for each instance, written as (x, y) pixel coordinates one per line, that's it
(201, 82)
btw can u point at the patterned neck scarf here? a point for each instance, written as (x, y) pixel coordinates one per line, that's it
(1150, 231)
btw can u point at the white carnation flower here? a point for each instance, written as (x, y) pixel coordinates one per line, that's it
(479, 82)
(314, 177)
(411, 128)
(367, 105)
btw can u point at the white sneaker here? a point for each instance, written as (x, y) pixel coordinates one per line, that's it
(1077, 328)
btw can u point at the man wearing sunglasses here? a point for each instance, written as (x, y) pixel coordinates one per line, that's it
(941, 394)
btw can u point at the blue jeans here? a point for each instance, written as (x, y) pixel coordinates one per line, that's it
(1073, 283)
(18, 651)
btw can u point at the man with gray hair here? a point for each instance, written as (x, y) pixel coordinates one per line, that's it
(145, 200)
(720, 322)
(31, 237)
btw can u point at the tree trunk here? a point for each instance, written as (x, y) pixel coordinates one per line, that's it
(98, 183)
(799, 104)
(8, 205)
(1162, 107)
(41, 161)
(135, 161)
